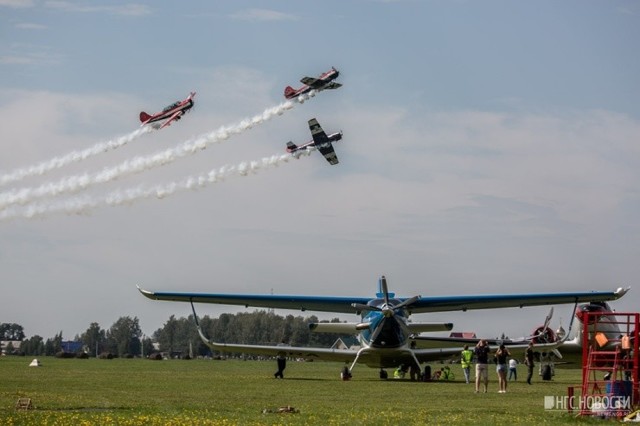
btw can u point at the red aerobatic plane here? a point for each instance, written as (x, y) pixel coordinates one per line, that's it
(325, 81)
(172, 112)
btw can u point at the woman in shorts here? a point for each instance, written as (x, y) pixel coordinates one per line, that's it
(501, 357)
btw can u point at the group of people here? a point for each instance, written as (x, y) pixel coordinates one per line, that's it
(502, 360)
(481, 353)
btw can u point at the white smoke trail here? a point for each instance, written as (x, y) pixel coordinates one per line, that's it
(72, 157)
(77, 183)
(86, 204)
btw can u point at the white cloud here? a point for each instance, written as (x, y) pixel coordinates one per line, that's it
(30, 26)
(129, 9)
(29, 54)
(16, 60)
(261, 15)
(17, 4)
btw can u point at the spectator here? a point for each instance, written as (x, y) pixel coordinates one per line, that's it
(466, 356)
(501, 356)
(528, 361)
(513, 369)
(482, 360)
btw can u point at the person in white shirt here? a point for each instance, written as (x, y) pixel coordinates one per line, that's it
(513, 372)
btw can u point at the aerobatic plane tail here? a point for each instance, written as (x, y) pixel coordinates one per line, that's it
(289, 91)
(291, 147)
(144, 117)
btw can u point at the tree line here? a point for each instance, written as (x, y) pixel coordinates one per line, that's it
(121, 339)
(178, 336)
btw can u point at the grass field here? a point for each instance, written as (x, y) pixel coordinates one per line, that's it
(206, 392)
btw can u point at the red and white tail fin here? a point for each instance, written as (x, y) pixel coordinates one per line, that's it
(144, 117)
(289, 92)
(291, 147)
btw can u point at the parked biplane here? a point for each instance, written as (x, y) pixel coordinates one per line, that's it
(384, 330)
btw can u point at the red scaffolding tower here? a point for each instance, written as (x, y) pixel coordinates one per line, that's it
(609, 364)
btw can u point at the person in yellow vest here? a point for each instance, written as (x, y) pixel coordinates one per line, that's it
(446, 373)
(400, 372)
(466, 357)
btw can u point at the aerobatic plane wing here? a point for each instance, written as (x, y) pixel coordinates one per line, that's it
(318, 134)
(424, 304)
(176, 115)
(311, 82)
(322, 142)
(333, 85)
(329, 153)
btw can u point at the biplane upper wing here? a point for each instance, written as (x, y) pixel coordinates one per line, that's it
(322, 142)
(340, 304)
(492, 301)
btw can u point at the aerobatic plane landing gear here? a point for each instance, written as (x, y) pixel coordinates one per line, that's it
(383, 374)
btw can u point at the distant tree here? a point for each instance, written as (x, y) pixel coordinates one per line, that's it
(11, 331)
(53, 346)
(10, 349)
(166, 336)
(94, 338)
(258, 327)
(300, 334)
(33, 346)
(178, 334)
(147, 346)
(124, 336)
(286, 329)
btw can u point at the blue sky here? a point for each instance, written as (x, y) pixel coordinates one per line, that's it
(488, 147)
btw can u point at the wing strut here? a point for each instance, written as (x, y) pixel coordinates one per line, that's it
(573, 317)
(204, 338)
(353, 364)
(555, 351)
(415, 359)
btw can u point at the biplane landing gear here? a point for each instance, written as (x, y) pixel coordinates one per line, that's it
(383, 374)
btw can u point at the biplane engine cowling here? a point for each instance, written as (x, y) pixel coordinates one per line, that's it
(544, 336)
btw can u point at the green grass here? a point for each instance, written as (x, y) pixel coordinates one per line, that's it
(201, 392)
